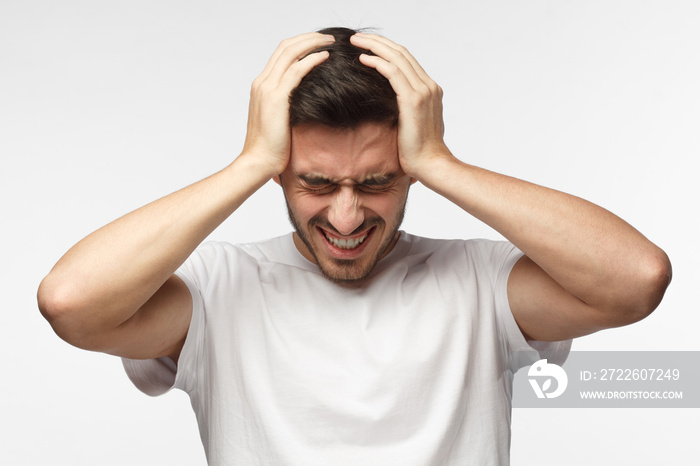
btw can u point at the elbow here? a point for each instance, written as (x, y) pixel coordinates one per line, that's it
(60, 306)
(653, 278)
(657, 277)
(53, 300)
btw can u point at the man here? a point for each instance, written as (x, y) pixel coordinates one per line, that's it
(348, 341)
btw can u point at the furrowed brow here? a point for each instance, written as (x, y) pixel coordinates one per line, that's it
(379, 180)
(315, 180)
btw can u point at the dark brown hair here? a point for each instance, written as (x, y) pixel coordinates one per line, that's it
(342, 92)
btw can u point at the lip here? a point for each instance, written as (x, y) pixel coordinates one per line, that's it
(346, 254)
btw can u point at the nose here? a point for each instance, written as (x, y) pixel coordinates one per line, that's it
(346, 213)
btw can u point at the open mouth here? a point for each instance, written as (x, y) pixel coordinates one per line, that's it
(347, 243)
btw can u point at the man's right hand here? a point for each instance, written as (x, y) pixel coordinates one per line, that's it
(268, 136)
(115, 291)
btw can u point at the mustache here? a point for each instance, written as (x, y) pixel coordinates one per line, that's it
(321, 221)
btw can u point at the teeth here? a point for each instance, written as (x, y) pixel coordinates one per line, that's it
(346, 243)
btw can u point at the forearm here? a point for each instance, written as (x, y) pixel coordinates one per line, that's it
(590, 252)
(113, 290)
(583, 260)
(111, 273)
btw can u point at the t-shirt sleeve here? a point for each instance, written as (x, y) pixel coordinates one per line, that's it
(155, 377)
(521, 352)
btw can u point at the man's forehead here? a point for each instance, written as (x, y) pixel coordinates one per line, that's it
(366, 152)
(365, 128)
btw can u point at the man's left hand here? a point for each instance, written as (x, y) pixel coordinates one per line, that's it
(421, 128)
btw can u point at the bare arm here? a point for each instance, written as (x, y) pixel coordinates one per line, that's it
(115, 290)
(585, 269)
(92, 295)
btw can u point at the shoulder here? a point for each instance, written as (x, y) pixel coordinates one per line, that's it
(266, 249)
(459, 261)
(219, 260)
(477, 251)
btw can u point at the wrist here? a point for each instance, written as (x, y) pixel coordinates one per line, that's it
(428, 168)
(258, 169)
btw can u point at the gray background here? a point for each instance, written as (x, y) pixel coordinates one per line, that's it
(105, 106)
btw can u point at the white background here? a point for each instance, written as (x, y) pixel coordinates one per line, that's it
(105, 106)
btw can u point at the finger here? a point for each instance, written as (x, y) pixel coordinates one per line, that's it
(397, 78)
(392, 56)
(296, 72)
(281, 47)
(388, 46)
(403, 50)
(295, 51)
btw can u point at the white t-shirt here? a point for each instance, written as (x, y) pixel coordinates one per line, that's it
(283, 367)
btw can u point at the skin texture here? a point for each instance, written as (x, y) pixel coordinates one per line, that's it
(584, 269)
(345, 184)
(114, 291)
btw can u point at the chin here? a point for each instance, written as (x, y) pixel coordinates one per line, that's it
(347, 273)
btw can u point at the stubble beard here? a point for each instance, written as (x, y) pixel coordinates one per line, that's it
(348, 272)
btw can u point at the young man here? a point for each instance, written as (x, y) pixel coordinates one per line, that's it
(348, 341)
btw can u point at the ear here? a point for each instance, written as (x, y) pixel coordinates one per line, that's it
(276, 179)
(412, 180)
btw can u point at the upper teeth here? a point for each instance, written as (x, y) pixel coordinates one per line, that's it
(346, 243)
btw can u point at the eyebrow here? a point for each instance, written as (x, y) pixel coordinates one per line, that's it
(314, 180)
(373, 180)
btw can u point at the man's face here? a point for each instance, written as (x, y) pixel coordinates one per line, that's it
(346, 195)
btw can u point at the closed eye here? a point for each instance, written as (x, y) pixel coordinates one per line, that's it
(374, 188)
(320, 184)
(320, 189)
(378, 183)
(315, 183)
